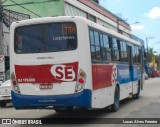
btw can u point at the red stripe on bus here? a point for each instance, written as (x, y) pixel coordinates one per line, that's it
(46, 73)
(101, 76)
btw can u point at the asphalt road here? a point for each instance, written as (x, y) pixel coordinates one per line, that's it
(147, 106)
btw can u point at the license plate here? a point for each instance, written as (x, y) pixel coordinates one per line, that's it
(46, 86)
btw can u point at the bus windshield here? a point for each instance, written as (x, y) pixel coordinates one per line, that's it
(48, 37)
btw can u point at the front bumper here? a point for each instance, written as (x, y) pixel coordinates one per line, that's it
(4, 97)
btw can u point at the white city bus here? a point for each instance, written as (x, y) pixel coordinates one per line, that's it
(70, 62)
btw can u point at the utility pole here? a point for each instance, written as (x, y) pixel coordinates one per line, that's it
(1, 28)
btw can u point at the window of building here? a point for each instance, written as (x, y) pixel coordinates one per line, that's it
(91, 17)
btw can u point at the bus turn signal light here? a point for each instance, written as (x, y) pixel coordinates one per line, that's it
(81, 81)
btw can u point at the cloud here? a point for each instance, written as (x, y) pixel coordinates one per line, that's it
(137, 27)
(154, 13)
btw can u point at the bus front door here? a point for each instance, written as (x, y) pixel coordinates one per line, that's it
(130, 62)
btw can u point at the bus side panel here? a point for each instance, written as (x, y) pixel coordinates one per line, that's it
(103, 97)
(135, 72)
(101, 76)
(103, 91)
(124, 80)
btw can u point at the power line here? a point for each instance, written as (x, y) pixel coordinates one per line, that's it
(25, 8)
(3, 2)
(25, 3)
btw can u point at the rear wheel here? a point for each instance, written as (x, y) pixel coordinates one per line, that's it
(115, 106)
(63, 109)
(3, 104)
(137, 95)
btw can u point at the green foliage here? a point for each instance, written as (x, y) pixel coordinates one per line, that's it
(150, 56)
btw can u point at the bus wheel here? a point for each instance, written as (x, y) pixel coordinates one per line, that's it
(115, 106)
(63, 109)
(3, 104)
(137, 95)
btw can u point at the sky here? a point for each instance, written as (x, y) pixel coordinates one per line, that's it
(146, 12)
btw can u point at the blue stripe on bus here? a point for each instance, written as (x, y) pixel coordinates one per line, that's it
(135, 73)
(82, 99)
(125, 76)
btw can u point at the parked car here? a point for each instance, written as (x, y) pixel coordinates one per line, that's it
(5, 93)
(155, 74)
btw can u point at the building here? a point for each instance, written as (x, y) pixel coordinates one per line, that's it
(15, 10)
(89, 9)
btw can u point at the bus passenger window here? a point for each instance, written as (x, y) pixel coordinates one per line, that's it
(115, 49)
(124, 55)
(134, 53)
(96, 38)
(91, 37)
(93, 53)
(97, 45)
(106, 41)
(137, 55)
(107, 47)
(102, 49)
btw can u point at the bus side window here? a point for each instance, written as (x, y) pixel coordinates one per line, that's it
(138, 55)
(97, 45)
(124, 55)
(103, 51)
(93, 52)
(107, 47)
(134, 54)
(115, 49)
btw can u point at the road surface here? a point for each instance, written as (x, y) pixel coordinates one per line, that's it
(147, 106)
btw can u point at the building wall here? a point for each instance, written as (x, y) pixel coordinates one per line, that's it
(84, 8)
(5, 40)
(74, 11)
(102, 16)
(106, 24)
(43, 8)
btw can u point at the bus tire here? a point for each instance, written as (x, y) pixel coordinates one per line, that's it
(137, 95)
(115, 106)
(63, 109)
(3, 104)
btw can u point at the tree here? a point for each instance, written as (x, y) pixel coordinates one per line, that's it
(157, 59)
(150, 54)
